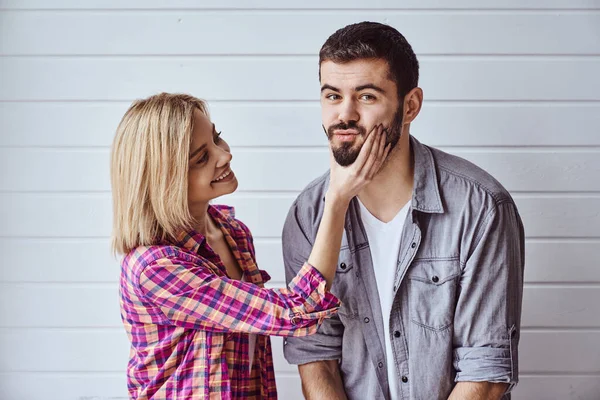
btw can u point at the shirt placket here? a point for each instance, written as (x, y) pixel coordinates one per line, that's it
(411, 239)
(366, 289)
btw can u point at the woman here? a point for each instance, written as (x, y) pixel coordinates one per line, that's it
(192, 298)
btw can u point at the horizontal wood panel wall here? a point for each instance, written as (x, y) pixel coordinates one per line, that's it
(510, 85)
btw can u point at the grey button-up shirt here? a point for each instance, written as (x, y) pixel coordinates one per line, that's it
(457, 289)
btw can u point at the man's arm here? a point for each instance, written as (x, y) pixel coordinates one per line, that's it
(322, 380)
(316, 355)
(478, 391)
(488, 312)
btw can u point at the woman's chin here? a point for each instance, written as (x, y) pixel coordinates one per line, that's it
(223, 189)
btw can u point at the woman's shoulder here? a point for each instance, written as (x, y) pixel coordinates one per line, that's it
(141, 257)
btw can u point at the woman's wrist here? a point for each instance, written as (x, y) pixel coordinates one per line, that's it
(337, 200)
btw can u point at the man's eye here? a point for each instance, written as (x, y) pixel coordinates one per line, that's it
(332, 97)
(367, 97)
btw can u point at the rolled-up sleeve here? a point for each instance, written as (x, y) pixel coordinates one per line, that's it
(192, 296)
(488, 314)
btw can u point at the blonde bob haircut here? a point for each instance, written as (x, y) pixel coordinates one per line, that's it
(149, 170)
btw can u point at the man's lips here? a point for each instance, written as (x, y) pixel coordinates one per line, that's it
(347, 135)
(345, 132)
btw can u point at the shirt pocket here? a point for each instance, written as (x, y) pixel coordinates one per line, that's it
(432, 293)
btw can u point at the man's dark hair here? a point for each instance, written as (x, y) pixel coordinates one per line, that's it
(374, 40)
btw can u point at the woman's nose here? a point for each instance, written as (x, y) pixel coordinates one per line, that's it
(225, 155)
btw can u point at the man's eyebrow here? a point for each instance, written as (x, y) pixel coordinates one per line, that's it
(369, 86)
(326, 86)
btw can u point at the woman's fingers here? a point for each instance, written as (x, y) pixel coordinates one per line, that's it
(380, 160)
(348, 181)
(376, 156)
(365, 151)
(381, 156)
(372, 156)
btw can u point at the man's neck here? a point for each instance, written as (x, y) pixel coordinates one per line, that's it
(392, 188)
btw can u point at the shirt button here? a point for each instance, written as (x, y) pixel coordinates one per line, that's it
(367, 320)
(435, 279)
(380, 364)
(343, 265)
(404, 379)
(397, 334)
(413, 245)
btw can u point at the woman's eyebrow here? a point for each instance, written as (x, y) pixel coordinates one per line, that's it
(198, 150)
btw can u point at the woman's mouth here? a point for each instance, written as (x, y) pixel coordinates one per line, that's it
(225, 177)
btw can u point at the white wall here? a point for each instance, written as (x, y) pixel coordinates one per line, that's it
(512, 85)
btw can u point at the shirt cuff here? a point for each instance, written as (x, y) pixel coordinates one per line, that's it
(484, 364)
(310, 284)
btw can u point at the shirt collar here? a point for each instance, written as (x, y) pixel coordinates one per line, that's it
(426, 192)
(192, 240)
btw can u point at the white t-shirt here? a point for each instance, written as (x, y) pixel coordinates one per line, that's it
(384, 243)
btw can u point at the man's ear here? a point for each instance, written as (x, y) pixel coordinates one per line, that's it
(412, 105)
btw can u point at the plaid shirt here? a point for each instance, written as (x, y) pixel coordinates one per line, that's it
(188, 322)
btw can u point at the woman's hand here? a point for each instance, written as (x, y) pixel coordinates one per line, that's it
(347, 182)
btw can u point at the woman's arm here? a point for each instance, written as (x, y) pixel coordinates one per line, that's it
(192, 296)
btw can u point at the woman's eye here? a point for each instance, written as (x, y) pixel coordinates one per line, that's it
(203, 159)
(218, 138)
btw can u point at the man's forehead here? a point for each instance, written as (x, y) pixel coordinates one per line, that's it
(358, 72)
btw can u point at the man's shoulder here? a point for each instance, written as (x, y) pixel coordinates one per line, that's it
(462, 177)
(310, 199)
(315, 190)
(307, 209)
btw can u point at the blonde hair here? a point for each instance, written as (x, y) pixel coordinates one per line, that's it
(149, 170)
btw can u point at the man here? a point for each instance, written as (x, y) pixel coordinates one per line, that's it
(430, 274)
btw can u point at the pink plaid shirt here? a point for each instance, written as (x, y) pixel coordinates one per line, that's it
(188, 322)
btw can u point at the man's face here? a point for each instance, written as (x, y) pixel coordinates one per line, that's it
(355, 97)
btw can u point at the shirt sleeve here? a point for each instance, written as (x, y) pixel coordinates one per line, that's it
(326, 343)
(194, 297)
(488, 314)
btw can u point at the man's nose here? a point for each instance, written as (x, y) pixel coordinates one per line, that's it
(348, 112)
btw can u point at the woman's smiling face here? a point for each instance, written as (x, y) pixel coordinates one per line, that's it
(210, 174)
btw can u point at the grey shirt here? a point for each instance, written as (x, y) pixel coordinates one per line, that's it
(457, 289)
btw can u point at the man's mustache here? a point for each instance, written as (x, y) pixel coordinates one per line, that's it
(345, 126)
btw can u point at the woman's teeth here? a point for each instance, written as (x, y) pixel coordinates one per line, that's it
(225, 175)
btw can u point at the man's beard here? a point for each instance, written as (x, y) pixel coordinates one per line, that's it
(345, 154)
